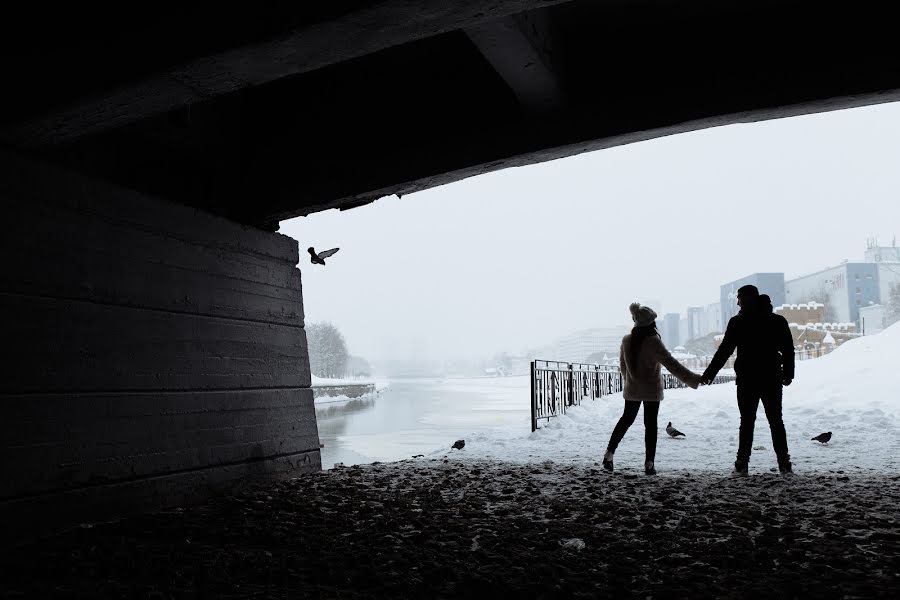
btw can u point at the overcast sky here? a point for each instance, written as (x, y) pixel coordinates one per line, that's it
(523, 256)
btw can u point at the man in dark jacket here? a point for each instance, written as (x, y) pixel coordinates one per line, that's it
(764, 363)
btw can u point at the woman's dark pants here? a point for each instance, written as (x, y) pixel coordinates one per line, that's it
(651, 411)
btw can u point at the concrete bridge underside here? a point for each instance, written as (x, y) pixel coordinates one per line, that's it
(152, 318)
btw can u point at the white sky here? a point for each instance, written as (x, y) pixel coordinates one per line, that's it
(523, 256)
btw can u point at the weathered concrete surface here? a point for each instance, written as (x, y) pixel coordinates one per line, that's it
(433, 529)
(151, 352)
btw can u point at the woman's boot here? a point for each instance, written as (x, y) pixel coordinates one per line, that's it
(608, 461)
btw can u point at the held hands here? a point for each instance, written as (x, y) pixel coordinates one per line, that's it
(786, 380)
(704, 380)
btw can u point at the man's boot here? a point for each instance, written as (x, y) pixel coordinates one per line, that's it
(740, 468)
(784, 465)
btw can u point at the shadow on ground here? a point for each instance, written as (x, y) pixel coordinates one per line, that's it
(421, 529)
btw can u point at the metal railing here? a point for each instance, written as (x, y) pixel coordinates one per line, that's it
(556, 385)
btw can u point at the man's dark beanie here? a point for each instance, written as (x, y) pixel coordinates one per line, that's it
(748, 291)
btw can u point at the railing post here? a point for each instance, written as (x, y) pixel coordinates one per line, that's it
(533, 401)
(571, 376)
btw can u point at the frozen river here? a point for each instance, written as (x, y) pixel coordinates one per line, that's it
(419, 416)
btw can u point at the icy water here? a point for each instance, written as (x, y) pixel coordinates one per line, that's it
(419, 416)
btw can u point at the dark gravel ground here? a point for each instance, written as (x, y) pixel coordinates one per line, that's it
(446, 529)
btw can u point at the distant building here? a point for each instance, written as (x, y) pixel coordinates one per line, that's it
(844, 288)
(714, 317)
(668, 327)
(878, 254)
(697, 322)
(577, 346)
(850, 286)
(811, 312)
(810, 332)
(767, 283)
(871, 319)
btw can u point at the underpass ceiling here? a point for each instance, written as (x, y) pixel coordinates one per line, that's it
(273, 113)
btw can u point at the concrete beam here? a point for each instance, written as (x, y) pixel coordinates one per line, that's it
(358, 33)
(537, 141)
(521, 50)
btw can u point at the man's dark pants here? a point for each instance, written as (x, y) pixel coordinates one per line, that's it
(748, 397)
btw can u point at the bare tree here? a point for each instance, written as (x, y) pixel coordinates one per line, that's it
(822, 296)
(702, 346)
(892, 307)
(357, 366)
(328, 354)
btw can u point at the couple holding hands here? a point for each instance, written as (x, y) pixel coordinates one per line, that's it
(764, 364)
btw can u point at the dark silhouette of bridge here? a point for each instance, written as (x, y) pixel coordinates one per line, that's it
(152, 319)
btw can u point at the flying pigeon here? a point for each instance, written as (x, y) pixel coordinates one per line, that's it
(672, 431)
(319, 259)
(459, 444)
(823, 437)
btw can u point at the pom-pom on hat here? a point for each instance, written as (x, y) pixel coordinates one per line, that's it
(642, 315)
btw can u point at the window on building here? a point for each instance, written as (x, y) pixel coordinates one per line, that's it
(858, 302)
(858, 290)
(857, 276)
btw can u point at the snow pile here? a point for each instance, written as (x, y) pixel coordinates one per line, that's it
(380, 382)
(858, 374)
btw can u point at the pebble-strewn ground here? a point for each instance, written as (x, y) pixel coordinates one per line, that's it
(423, 529)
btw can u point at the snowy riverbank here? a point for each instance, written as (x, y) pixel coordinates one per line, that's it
(360, 388)
(852, 392)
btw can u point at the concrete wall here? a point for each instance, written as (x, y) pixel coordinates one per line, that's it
(151, 353)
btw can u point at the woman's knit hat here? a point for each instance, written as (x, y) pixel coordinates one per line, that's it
(642, 315)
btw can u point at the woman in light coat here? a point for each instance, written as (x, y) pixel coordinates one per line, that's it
(641, 359)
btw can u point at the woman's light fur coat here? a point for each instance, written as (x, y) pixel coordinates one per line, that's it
(643, 381)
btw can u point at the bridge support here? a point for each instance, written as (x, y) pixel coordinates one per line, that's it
(151, 353)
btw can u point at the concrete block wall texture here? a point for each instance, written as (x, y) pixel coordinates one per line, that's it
(151, 353)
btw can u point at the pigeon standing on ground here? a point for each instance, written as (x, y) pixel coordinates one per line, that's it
(823, 437)
(672, 431)
(319, 259)
(459, 444)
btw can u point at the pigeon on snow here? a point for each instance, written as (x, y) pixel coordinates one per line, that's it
(319, 259)
(672, 431)
(459, 444)
(823, 437)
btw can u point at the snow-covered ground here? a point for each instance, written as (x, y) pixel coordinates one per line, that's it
(853, 392)
(381, 384)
